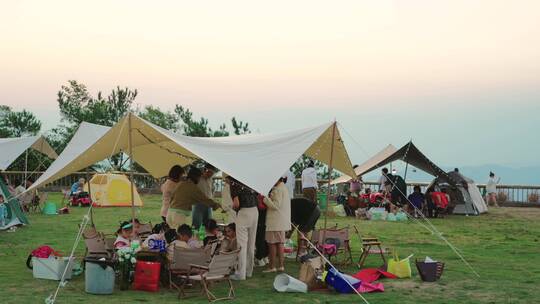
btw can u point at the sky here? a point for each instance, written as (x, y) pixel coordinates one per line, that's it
(459, 78)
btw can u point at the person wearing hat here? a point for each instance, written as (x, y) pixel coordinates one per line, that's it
(125, 232)
(186, 195)
(278, 216)
(202, 213)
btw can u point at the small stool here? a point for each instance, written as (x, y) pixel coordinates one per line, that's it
(367, 245)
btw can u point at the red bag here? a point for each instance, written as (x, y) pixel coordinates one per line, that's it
(261, 205)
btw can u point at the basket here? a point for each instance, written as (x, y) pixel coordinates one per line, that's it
(430, 272)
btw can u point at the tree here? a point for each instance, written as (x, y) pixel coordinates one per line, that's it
(200, 128)
(240, 127)
(167, 120)
(17, 124)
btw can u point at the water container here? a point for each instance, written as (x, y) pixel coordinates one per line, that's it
(99, 277)
(202, 233)
(147, 276)
(323, 200)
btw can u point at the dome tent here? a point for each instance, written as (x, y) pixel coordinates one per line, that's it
(112, 190)
(14, 215)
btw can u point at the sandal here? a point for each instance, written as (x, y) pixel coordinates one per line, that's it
(269, 270)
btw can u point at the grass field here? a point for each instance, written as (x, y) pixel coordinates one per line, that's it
(503, 246)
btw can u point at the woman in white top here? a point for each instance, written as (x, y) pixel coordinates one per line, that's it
(169, 186)
(491, 189)
(278, 221)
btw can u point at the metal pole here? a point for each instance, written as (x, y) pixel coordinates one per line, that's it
(25, 167)
(130, 139)
(330, 169)
(91, 200)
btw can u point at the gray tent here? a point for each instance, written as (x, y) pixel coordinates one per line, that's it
(465, 196)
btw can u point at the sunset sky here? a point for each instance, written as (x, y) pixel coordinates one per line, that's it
(461, 78)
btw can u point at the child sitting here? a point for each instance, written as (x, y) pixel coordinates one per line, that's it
(125, 232)
(158, 233)
(229, 243)
(211, 232)
(183, 240)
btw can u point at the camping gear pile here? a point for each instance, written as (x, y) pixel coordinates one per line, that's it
(380, 214)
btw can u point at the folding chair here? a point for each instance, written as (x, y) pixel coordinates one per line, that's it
(95, 244)
(369, 245)
(182, 259)
(35, 203)
(145, 230)
(321, 237)
(220, 269)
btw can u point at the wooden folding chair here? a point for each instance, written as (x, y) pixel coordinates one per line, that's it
(220, 269)
(96, 246)
(182, 259)
(370, 245)
(320, 237)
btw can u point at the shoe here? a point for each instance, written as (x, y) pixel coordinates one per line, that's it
(270, 270)
(236, 277)
(260, 263)
(266, 260)
(281, 269)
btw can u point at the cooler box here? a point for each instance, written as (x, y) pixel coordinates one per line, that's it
(98, 277)
(147, 276)
(51, 268)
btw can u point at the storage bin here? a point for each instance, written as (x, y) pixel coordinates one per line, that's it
(52, 268)
(147, 276)
(99, 277)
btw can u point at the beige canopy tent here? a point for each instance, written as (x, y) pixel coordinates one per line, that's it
(12, 148)
(368, 164)
(257, 160)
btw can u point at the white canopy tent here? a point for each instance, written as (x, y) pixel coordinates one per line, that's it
(366, 166)
(12, 148)
(257, 160)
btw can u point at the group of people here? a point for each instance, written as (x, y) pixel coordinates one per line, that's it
(191, 193)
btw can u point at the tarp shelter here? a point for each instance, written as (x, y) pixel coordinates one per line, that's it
(464, 191)
(15, 215)
(257, 160)
(12, 148)
(112, 190)
(368, 164)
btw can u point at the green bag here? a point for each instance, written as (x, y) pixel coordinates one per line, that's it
(400, 268)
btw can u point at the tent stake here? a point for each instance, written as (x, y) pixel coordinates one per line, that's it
(330, 169)
(131, 170)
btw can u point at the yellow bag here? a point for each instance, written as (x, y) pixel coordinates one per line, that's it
(400, 268)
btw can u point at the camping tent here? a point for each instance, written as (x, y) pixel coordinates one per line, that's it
(368, 164)
(410, 154)
(244, 157)
(15, 215)
(14, 147)
(464, 193)
(112, 190)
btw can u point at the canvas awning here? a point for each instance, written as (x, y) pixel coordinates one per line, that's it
(12, 148)
(368, 164)
(257, 160)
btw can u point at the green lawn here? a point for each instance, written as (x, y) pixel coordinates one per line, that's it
(502, 246)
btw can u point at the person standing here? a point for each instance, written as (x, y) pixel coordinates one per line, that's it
(290, 182)
(491, 189)
(244, 200)
(202, 213)
(185, 196)
(278, 217)
(309, 182)
(168, 188)
(226, 200)
(383, 179)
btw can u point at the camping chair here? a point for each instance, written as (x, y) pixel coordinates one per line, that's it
(368, 244)
(145, 230)
(182, 259)
(95, 244)
(27, 199)
(341, 235)
(219, 269)
(66, 194)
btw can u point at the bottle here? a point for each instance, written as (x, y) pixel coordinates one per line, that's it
(202, 233)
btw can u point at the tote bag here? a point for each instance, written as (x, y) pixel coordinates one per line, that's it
(400, 268)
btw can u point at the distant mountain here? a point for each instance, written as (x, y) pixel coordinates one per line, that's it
(480, 174)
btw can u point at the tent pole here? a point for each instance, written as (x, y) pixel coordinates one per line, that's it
(406, 167)
(90, 195)
(130, 139)
(330, 170)
(25, 167)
